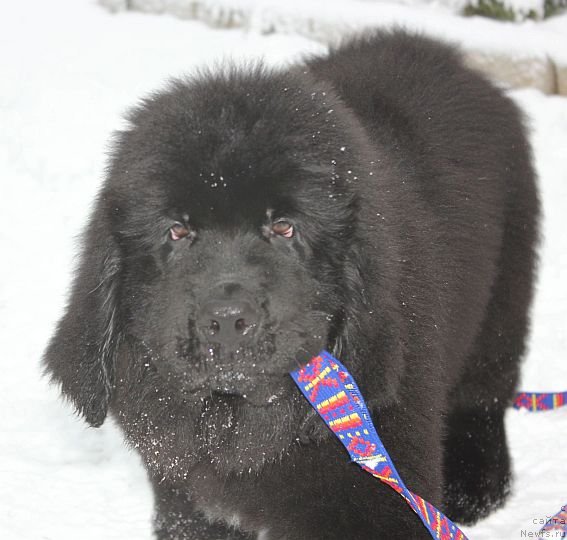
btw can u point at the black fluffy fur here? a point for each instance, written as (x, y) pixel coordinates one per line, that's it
(408, 180)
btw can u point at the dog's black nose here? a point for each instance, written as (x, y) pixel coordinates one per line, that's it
(231, 322)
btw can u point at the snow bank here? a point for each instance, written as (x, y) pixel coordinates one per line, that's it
(543, 45)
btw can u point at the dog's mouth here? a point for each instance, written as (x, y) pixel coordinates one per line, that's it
(257, 388)
(257, 374)
(259, 378)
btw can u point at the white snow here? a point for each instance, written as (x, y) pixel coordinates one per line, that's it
(457, 6)
(68, 70)
(329, 20)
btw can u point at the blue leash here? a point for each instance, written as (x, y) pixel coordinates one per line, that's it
(333, 393)
(546, 401)
(540, 401)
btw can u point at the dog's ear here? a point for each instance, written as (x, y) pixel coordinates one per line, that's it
(80, 356)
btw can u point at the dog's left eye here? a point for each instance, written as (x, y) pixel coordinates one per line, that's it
(283, 228)
(178, 231)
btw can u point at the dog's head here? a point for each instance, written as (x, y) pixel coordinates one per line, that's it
(223, 243)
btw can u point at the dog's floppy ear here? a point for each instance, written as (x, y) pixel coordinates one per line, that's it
(80, 355)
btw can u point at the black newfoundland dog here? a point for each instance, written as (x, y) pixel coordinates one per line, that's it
(378, 202)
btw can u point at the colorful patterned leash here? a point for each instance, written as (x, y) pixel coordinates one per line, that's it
(333, 393)
(537, 402)
(540, 401)
(556, 524)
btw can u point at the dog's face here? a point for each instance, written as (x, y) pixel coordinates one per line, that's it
(222, 284)
(223, 252)
(228, 307)
(232, 229)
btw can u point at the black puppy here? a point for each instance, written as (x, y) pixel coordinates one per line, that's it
(378, 202)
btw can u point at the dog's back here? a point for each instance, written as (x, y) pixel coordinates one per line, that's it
(458, 164)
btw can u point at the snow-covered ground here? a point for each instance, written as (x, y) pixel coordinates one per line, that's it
(67, 70)
(329, 20)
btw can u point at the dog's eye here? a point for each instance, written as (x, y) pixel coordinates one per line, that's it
(283, 228)
(178, 231)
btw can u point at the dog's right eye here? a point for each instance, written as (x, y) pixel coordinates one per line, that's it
(178, 231)
(283, 228)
